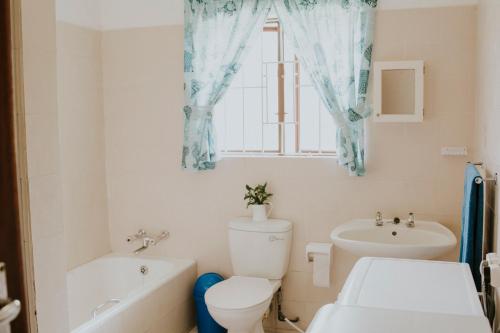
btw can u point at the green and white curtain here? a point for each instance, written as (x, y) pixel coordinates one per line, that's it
(216, 36)
(332, 38)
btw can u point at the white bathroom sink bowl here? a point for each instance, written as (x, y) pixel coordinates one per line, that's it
(427, 240)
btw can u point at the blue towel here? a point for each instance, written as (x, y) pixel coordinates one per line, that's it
(471, 245)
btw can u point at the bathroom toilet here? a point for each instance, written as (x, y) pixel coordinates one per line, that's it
(260, 252)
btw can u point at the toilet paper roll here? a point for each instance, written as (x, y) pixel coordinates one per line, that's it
(320, 254)
(321, 270)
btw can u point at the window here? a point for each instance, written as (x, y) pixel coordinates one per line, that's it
(271, 107)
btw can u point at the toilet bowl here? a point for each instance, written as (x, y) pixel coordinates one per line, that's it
(239, 303)
(260, 252)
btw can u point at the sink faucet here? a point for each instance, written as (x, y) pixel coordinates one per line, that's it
(147, 240)
(411, 221)
(378, 220)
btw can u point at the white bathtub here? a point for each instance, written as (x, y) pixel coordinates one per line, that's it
(112, 295)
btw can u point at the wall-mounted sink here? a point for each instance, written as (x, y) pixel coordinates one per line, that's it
(427, 240)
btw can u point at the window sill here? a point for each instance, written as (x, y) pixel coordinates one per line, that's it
(276, 155)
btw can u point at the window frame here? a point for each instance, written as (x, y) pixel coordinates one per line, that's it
(273, 25)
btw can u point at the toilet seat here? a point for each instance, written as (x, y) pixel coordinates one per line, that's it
(239, 292)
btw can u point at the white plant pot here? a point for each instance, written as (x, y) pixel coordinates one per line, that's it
(260, 213)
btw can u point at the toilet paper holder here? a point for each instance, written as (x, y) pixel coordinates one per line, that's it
(320, 255)
(313, 249)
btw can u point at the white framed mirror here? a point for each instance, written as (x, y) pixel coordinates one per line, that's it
(398, 91)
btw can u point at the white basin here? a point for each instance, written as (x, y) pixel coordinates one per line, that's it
(427, 240)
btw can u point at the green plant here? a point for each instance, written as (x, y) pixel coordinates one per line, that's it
(257, 195)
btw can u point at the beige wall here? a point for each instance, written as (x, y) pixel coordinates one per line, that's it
(81, 134)
(44, 172)
(143, 97)
(488, 104)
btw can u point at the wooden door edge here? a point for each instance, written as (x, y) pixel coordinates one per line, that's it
(24, 220)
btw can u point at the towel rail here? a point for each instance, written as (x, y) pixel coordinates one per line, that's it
(479, 180)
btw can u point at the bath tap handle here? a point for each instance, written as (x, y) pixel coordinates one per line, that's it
(147, 240)
(139, 235)
(162, 236)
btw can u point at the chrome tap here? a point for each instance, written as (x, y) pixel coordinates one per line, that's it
(147, 240)
(394, 221)
(139, 235)
(378, 220)
(411, 221)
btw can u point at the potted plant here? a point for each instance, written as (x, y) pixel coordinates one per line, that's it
(258, 198)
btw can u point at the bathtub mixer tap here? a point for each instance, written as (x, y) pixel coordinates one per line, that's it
(147, 240)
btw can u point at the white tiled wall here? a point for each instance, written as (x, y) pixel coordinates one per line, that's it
(488, 98)
(488, 103)
(81, 135)
(39, 60)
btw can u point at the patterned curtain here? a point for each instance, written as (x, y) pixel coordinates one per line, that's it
(216, 36)
(333, 40)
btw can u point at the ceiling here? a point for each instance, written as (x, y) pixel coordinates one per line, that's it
(123, 14)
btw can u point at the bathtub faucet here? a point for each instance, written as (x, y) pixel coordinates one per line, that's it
(147, 240)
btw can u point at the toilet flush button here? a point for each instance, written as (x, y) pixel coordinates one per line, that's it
(274, 238)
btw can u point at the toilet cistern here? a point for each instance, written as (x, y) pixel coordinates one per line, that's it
(147, 240)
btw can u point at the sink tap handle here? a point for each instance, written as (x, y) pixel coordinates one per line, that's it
(411, 221)
(378, 220)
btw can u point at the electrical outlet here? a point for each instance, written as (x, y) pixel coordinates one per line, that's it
(454, 151)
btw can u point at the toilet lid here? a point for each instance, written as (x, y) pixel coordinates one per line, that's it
(239, 292)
